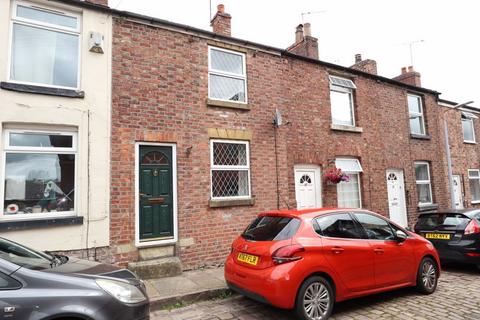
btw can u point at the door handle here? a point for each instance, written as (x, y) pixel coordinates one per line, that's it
(378, 251)
(337, 250)
(145, 195)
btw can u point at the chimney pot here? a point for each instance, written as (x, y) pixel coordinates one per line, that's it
(358, 58)
(307, 29)
(410, 69)
(221, 8)
(404, 70)
(410, 77)
(299, 33)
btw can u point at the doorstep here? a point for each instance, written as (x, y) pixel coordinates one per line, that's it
(190, 286)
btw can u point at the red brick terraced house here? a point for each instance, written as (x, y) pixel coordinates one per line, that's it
(196, 153)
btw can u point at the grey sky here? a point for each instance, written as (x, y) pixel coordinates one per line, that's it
(448, 58)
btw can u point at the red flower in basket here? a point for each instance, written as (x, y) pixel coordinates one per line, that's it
(335, 175)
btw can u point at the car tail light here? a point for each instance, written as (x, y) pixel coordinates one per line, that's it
(287, 254)
(472, 227)
(472, 254)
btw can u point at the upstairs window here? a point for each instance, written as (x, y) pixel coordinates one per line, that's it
(341, 99)
(227, 76)
(45, 46)
(415, 112)
(424, 184)
(467, 126)
(230, 169)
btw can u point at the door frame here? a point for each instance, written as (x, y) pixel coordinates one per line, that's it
(318, 181)
(460, 187)
(138, 243)
(404, 205)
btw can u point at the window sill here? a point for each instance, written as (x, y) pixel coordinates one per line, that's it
(228, 104)
(427, 207)
(420, 136)
(475, 202)
(69, 93)
(13, 225)
(231, 203)
(339, 127)
(469, 142)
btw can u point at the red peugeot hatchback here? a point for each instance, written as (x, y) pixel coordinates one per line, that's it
(308, 260)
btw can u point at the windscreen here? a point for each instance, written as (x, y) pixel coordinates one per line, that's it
(24, 256)
(442, 220)
(271, 228)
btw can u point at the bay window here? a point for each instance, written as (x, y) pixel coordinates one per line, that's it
(45, 46)
(39, 174)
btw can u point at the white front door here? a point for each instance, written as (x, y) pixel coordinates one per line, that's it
(307, 187)
(396, 197)
(457, 192)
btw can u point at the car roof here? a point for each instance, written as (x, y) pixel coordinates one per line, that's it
(469, 212)
(307, 213)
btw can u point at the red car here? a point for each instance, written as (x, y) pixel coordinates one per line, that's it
(308, 260)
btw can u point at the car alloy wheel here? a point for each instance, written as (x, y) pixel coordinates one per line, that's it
(427, 276)
(315, 299)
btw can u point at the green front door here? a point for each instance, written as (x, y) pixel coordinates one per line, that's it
(156, 193)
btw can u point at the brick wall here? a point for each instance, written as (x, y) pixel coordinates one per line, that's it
(160, 81)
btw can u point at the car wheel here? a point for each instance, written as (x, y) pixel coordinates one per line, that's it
(427, 276)
(315, 299)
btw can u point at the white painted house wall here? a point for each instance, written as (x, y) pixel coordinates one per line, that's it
(89, 115)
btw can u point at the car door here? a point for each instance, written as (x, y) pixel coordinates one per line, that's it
(351, 257)
(394, 260)
(10, 303)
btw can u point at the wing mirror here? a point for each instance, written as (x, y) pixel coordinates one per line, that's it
(401, 236)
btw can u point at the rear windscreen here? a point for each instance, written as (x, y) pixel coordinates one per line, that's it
(268, 228)
(447, 219)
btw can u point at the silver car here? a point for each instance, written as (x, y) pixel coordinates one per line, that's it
(41, 286)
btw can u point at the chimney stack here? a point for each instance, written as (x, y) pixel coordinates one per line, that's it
(305, 45)
(409, 76)
(367, 65)
(221, 22)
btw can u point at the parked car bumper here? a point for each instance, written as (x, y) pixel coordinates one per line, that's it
(275, 285)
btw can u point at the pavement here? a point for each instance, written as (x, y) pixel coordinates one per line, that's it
(457, 297)
(190, 286)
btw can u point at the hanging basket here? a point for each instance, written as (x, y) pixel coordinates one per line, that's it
(335, 175)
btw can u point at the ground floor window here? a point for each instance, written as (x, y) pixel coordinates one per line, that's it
(230, 169)
(39, 175)
(474, 181)
(424, 184)
(349, 192)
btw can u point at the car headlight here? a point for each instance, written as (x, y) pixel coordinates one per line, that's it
(124, 292)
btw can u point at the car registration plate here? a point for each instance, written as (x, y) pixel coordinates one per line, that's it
(438, 236)
(247, 258)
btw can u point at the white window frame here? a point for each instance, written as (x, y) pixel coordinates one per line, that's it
(214, 167)
(343, 89)
(420, 115)
(429, 182)
(349, 173)
(469, 119)
(46, 26)
(478, 181)
(47, 150)
(221, 73)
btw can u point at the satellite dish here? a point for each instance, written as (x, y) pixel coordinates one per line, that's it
(277, 121)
